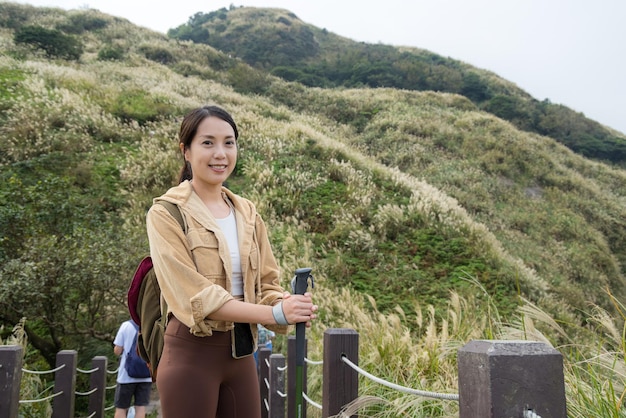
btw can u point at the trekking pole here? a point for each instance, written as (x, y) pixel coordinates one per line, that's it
(299, 285)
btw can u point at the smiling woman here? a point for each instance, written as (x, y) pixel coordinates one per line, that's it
(219, 279)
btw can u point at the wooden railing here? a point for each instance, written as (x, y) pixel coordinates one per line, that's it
(64, 392)
(496, 379)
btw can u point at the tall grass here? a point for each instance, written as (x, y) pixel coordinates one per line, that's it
(421, 354)
(32, 387)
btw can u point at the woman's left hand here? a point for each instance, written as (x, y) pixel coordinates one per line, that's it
(299, 308)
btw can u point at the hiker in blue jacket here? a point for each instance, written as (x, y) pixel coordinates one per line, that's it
(129, 387)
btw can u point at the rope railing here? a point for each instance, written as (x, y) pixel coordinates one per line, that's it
(447, 396)
(77, 393)
(304, 394)
(87, 371)
(43, 371)
(270, 391)
(311, 402)
(340, 378)
(63, 393)
(47, 398)
(94, 390)
(313, 362)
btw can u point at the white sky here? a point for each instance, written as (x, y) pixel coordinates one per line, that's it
(572, 52)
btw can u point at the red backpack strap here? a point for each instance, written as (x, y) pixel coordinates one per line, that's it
(135, 286)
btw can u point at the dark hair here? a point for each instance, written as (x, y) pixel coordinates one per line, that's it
(189, 127)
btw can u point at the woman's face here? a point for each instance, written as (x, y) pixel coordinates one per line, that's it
(213, 151)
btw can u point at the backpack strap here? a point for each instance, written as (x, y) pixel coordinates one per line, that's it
(174, 210)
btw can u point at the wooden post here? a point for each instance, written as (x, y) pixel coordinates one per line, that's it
(10, 379)
(98, 380)
(341, 383)
(277, 386)
(291, 377)
(64, 384)
(501, 379)
(263, 356)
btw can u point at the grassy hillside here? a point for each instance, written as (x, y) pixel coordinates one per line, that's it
(428, 221)
(276, 41)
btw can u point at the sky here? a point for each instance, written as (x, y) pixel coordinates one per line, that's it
(572, 52)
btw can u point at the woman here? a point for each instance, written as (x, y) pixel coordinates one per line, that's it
(218, 277)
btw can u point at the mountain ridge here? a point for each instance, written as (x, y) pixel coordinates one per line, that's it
(277, 41)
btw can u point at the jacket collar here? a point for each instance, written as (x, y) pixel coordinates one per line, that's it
(190, 203)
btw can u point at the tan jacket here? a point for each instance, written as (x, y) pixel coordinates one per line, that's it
(194, 270)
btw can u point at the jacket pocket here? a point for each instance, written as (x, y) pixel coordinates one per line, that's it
(205, 251)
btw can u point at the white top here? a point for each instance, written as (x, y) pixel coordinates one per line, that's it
(228, 225)
(124, 338)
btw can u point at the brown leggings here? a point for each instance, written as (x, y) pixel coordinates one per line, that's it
(198, 377)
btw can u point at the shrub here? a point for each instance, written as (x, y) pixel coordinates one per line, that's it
(157, 54)
(111, 53)
(139, 106)
(245, 79)
(52, 41)
(79, 23)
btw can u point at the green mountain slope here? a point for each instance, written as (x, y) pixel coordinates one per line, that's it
(276, 41)
(402, 195)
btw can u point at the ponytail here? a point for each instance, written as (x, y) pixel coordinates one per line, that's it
(185, 172)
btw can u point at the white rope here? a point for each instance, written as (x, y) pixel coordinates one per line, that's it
(449, 396)
(529, 413)
(282, 395)
(267, 362)
(94, 390)
(312, 403)
(87, 371)
(43, 371)
(313, 362)
(267, 405)
(267, 383)
(40, 400)
(281, 369)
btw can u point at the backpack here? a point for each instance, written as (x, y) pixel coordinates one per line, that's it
(135, 366)
(146, 306)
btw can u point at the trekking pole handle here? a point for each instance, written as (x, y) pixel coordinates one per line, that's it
(300, 282)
